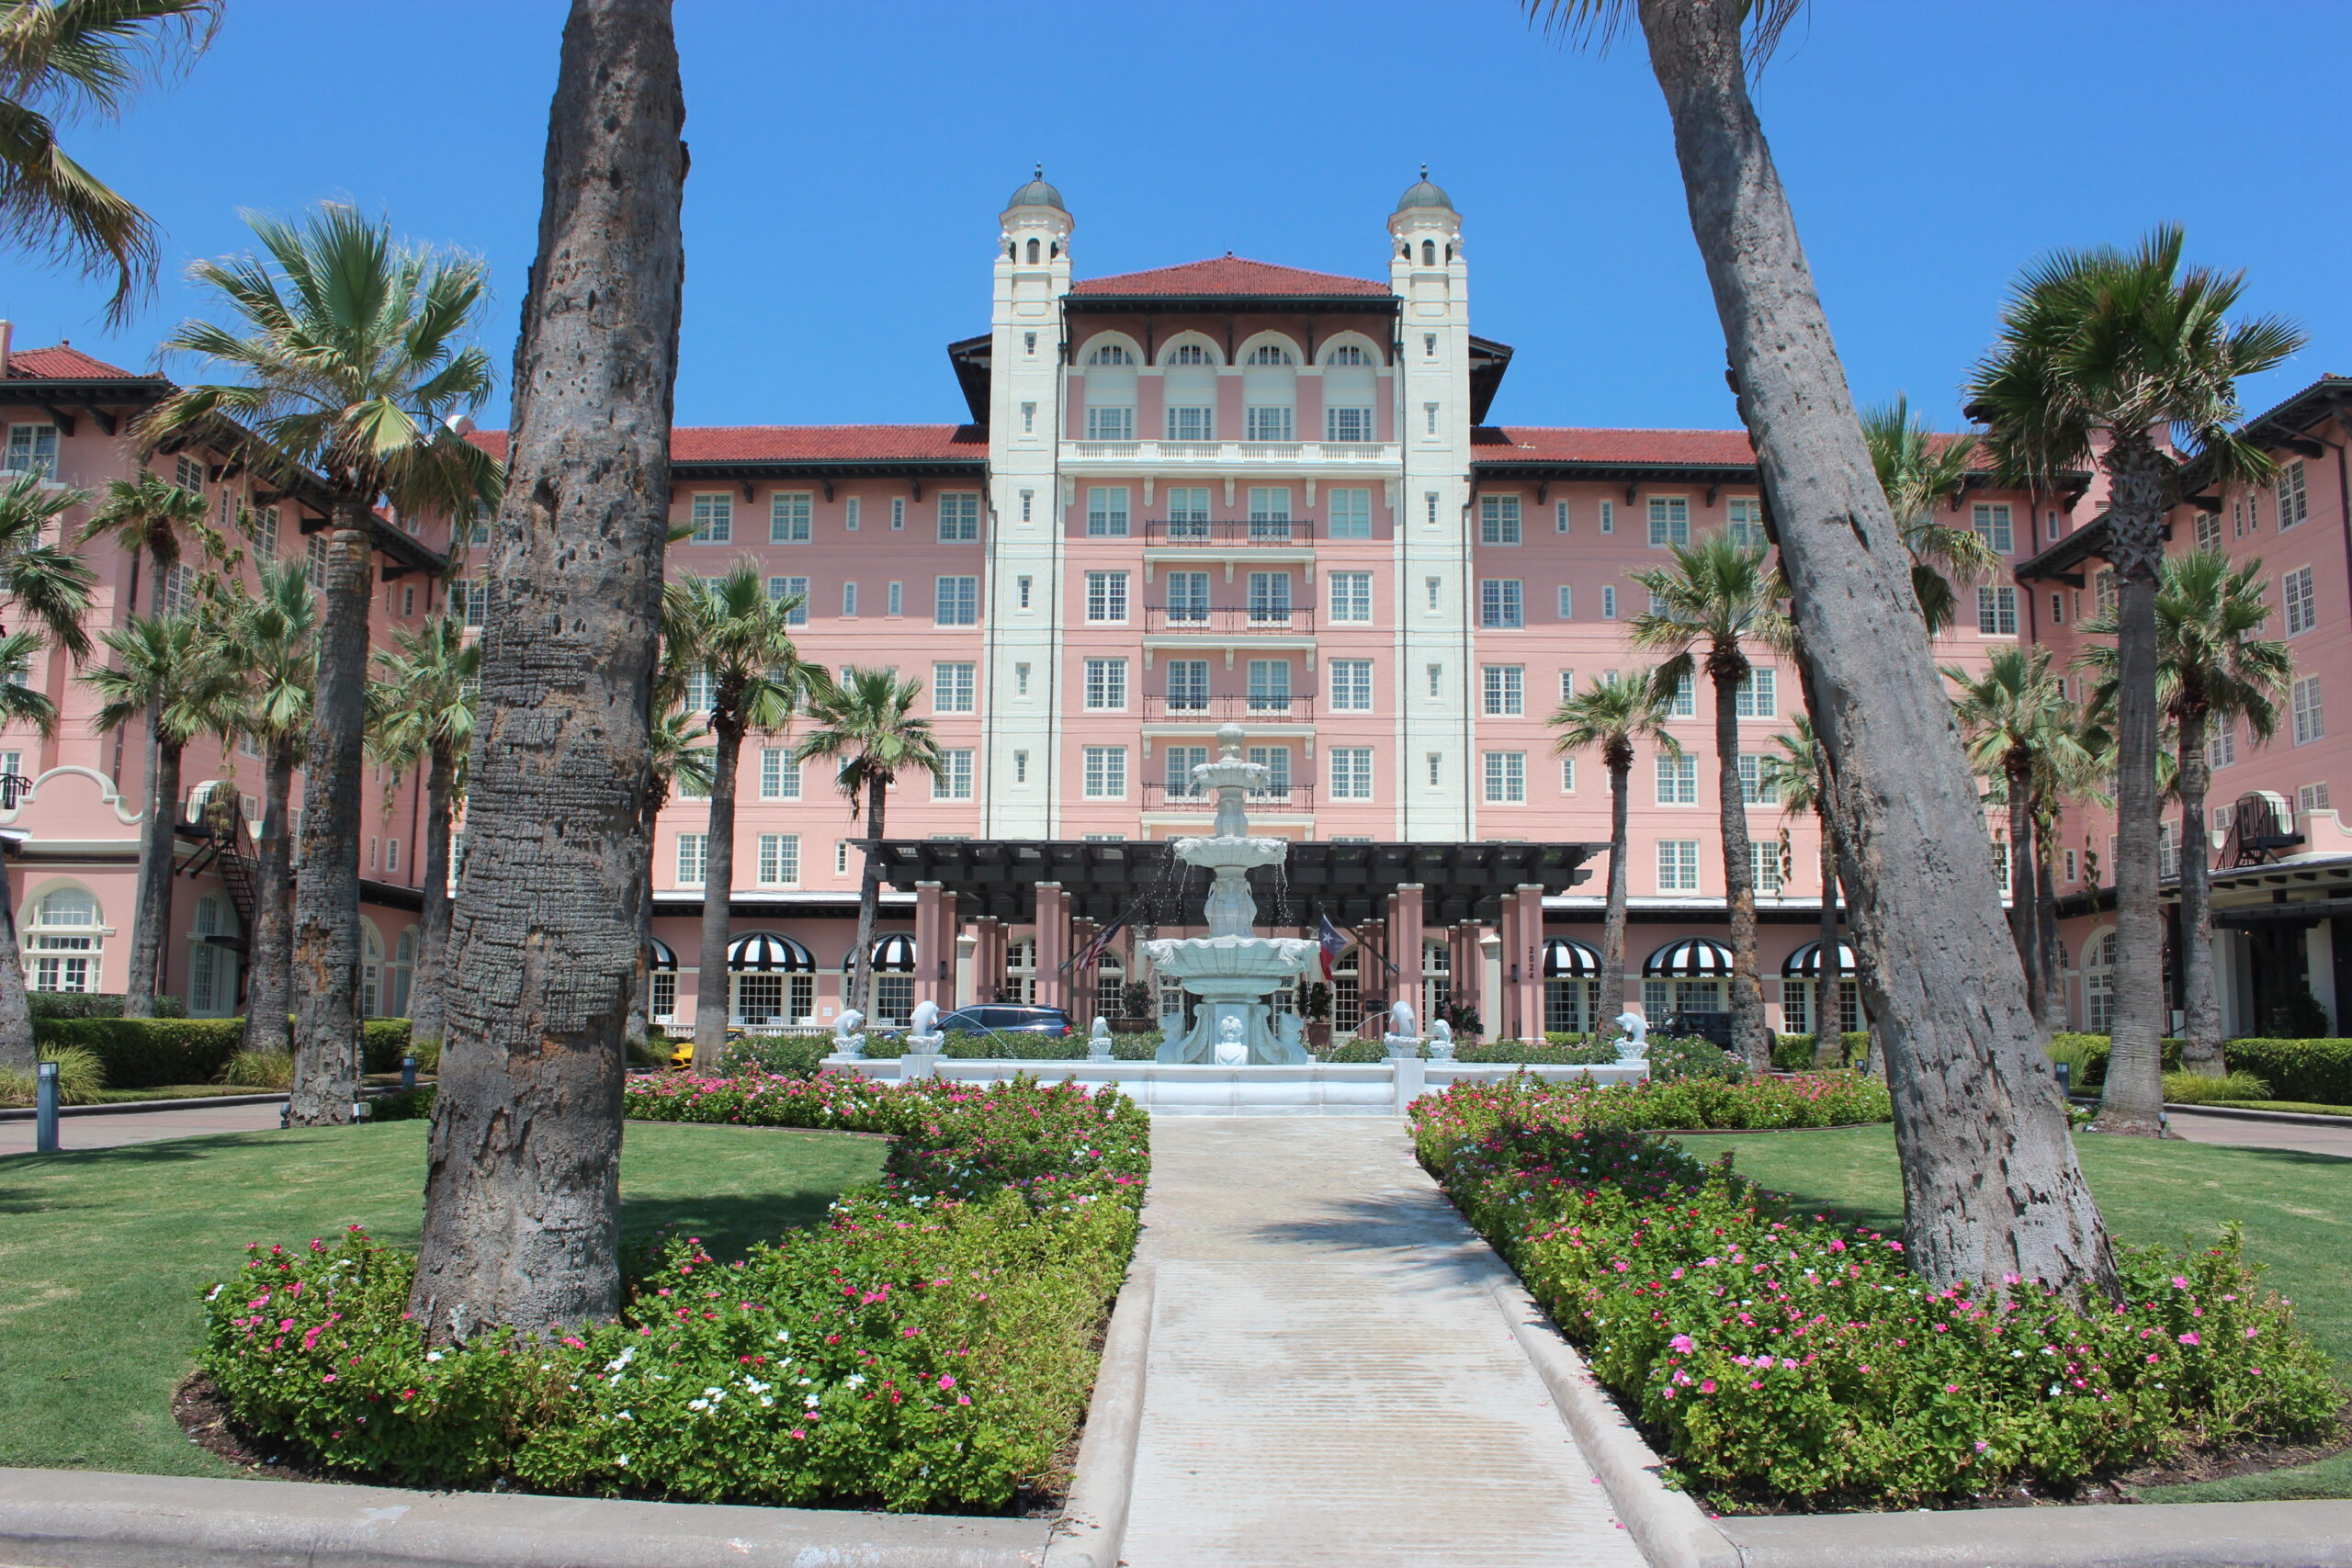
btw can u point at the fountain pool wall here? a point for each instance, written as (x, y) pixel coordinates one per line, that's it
(1303, 1088)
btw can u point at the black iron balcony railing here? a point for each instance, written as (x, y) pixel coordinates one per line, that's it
(1298, 707)
(1230, 531)
(1231, 618)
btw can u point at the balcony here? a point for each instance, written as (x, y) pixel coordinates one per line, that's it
(1296, 708)
(1298, 799)
(1209, 456)
(1226, 531)
(1230, 620)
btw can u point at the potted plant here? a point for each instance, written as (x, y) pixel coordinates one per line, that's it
(1135, 1008)
(1316, 1004)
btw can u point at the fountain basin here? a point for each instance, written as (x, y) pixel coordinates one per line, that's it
(1230, 957)
(1232, 852)
(1300, 1088)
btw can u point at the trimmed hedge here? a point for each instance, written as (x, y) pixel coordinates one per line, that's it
(149, 1053)
(1795, 1053)
(75, 1004)
(2318, 1071)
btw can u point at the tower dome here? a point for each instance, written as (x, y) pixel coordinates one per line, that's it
(1420, 193)
(1037, 193)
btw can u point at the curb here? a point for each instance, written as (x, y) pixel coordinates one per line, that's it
(2232, 1113)
(64, 1519)
(2103, 1535)
(1671, 1529)
(1093, 1525)
(136, 1107)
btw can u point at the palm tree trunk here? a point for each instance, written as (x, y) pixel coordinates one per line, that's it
(718, 890)
(2132, 1100)
(18, 1051)
(1748, 1033)
(522, 1197)
(326, 889)
(2053, 957)
(2022, 919)
(1990, 1178)
(1613, 921)
(269, 981)
(426, 1006)
(1828, 1011)
(633, 1027)
(860, 992)
(2202, 1053)
(157, 836)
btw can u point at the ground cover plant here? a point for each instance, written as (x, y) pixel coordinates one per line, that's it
(928, 1346)
(1782, 1359)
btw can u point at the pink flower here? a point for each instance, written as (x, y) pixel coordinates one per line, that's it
(1708, 1386)
(946, 1381)
(1683, 1342)
(2179, 1283)
(2190, 1339)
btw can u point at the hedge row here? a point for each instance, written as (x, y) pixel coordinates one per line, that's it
(149, 1053)
(2318, 1072)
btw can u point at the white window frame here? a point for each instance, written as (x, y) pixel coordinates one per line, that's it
(959, 517)
(1994, 525)
(779, 860)
(1107, 514)
(1669, 518)
(1350, 598)
(1757, 695)
(1677, 865)
(1105, 772)
(1502, 603)
(712, 512)
(1106, 598)
(956, 602)
(1105, 688)
(2299, 598)
(694, 859)
(1351, 685)
(1499, 520)
(1503, 690)
(1506, 778)
(954, 780)
(955, 686)
(2309, 717)
(789, 512)
(1351, 772)
(779, 773)
(1677, 779)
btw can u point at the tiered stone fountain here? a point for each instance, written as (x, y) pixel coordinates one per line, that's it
(1232, 969)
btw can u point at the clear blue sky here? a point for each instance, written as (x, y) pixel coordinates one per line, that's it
(850, 160)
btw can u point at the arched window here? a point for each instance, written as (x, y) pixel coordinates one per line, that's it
(660, 983)
(1109, 982)
(1429, 251)
(1111, 392)
(1110, 354)
(63, 937)
(1032, 250)
(1020, 971)
(1269, 354)
(213, 966)
(401, 979)
(1269, 394)
(1350, 390)
(1190, 354)
(2098, 982)
(371, 972)
(1437, 978)
(1189, 391)
(1347, 994)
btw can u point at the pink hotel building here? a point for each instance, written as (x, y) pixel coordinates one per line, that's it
(1221, 493)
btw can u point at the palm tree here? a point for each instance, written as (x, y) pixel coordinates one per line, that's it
(1917, 470)
(18, 704)
(1718, 599)
(420, 715)
(2100, 352)
(867, 727)
(522, 1198)
(168, 675)
(63, 59)
(675, 755)
(2213, 667)
(155, 521)
(270, 643)
(2019, 722)
(349, 348)
(1799, 774)
(1973, 1091)
(737, 642)
(1613, 714)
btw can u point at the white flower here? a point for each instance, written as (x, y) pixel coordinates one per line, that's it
(215, 1291)
(697, 1403)
(433, 1355)
(809, 1400)
(856, 1379)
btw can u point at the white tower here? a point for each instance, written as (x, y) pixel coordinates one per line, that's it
(1437, 607)
(1024, 586)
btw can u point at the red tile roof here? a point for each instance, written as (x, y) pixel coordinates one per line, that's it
(1229, 275)
(64, 363)
(1680, 448)
(808, 444)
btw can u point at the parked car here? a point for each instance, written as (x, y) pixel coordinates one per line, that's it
(1715, 1026)
(1004, 1018)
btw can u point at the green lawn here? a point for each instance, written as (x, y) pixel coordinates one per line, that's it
(2297, 1207)
(102, 1254)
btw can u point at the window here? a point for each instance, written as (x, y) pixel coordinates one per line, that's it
(1192, 423)
(2098, 984)
(1429, 508)
(1028, 419)
(959, 517)
(1269, 685)
(1347, 425)
(1567, 602)
(1021, 679)
(1499, 603)
(849, 600)
(1993, 525)
(1751, 782)
(2209, 530)
(2221, 747)
(1107, 773)
(713, 517)
(957, 602)
(779, 858)
(2074, 866)
(1567, 685)
(1567, 776)
(1499, 520)
(1182, 760)
(1107, 512)
(1506, 777)
(2237, 519)
(1028, 500)
(266, 532)
(1429, 419)
(1022, 588)
(1997, 612)
(788, 517)
(841, 857)
(779, 774)
(894, 599)
(1437, 676)
(1188, 598)
(1764, 865)
(1267, 423)
(2309, 724)
(693, 854)
(2103, 592)
(1188, 512)
(1745, 516)
(954, 780)
(1270, 512)
(1437, 767)
(849, 515)
(1351, 772)
(1685, 703)
(2312, 797)
(1505, 690)
(1107, 684)
(1428, 345)
(898, 511)
(1609, 604)
(2057, 609)
(178, 597)
(792, 590)
(2296, 592)
(408, 600)
(1559, 517)
(1269, 597)
(32, 449)
(1669, 520)
(1677, 865)
(391, 854)
(1351, 596)
(1757, 695)
(1677, 780)
(189, 474)
(1350, 682)
(952, 688)
(1110, 423)
(1106, 596)
(1275, 760)
(1188, 685)
(63, 937)
(2294, 503)
(1431, 585)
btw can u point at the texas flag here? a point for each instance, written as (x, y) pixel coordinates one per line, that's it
(1334, 942)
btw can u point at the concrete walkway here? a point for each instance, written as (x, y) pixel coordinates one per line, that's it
(2301, 1137)
(106, 1131)
(1328, 1380)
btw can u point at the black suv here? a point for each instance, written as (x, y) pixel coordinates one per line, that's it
(1715, 1026)
(1004, 1018)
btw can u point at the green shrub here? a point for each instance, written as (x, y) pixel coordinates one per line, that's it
(787, 1055)
(1678, 1056)
(2197, 1089)
(2089, 1053)
(1573, 1051)
(1782, 1361)
(80, 1078)
(1356, 1051)
(260, 1069)
(2318, 1071)
(1800, 1053)
(2298, 1016)
(427, 1053)
(403, 1105)
(169, 1006)
(382, 1043)
(147, 1053)
(930, 1347)
(74, 1004)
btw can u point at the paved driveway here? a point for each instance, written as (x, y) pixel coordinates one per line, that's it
(105, 1132)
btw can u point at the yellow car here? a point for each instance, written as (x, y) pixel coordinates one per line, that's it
(682, 1056)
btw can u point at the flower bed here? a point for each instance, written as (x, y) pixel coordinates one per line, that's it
(930, 1347)
(1778, 1360)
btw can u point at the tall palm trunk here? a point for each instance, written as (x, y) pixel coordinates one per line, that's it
(2023, 919)
(1990, 1181)
(326, 890)
(18, 1051)
(2200, 1002)
(1727, 670)
(2132, 1100)
(717, 893)
(522, 1197)
(1613, 921)
(860, 992)
(269, 980)
(636, 1024)
(1830, 1013)
(2054, 953)
(426, 996)
(157, 836)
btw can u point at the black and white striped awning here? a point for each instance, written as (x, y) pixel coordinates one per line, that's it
(1568, 960)
(658, 954)
(894, 954)
(1689, 958)
(1804, 963)
(764, 951)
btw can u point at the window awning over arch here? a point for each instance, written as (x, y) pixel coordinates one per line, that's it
(658, 954)
(1689, 958)
(894, 954)
(1567, 959)
(1804, 963)
(765, 951)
